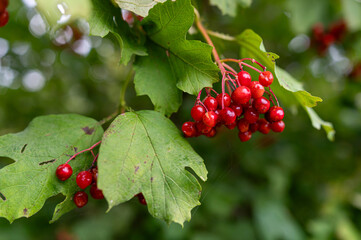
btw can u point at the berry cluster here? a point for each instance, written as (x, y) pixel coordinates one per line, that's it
(4, 14)
(241, 108)
(83, 179)
(322, 39)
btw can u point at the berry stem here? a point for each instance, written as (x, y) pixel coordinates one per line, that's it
(95, 159)
(242, 60)
(278, 104)
(85, 150)
(229, 68)
(247, 65)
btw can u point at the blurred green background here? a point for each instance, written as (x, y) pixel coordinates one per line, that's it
(294, 185)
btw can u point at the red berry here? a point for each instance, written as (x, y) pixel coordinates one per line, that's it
(141, 199)
(211, 103)
(253, 127)
(237, 109)
(241, 95)
(257, 89)
(4, 18)
(228, 115)
(64, 171)
(211, 133)
(210, 118)
(197, 112)
(3, 5)
(95, 192)
(275, 114)
(244, 78)
(226, 98)
(243, 125)
(94, 172)
(265, 78)
(232, 125)
(317, 31)
(251, 115)
(278, 126)
(263, 126)
(189, 129)
(80, 199)
(84, 179)
(203, 128)
(261, 104)
(245, 136)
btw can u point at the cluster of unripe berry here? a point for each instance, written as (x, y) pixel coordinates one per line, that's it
(322, 39)
(242, 109)
(4, 14)
(83, 180)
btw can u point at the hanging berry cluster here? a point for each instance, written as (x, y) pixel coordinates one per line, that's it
(4, 15)
(242, 107)
(322, 39)
(84, 179)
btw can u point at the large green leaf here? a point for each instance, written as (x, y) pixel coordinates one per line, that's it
(230, 7)
(154, 77)
(140, 7)
(46, 143)
(167, 25)
(107, 18)
(144, 152)
(252, 47)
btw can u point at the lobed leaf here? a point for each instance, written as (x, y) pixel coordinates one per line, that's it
(144, 152)
(140, 7)
(230, 7)
(46, 143)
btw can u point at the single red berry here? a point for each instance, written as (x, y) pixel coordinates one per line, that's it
(64, 171)
(211, 133)
(263, 126)
(317, 32)
(226, 98)
(241, 95)
(210, 118)
(261, 104)
(232, 125)
(189, 129)
(244, 78)
(4, 18)
(141, 199)
(3, 5)
(278, 126)
(245, 136)
(251, 115)
(243, 125)
(211, 103)
(198, 112)
(253, 127)
(275, 114)
(202, 128)
(84, 179)
(80, 199)
(265, 78)
(257, 89)
(228, 115)
(95, 192)
(328, 39)
(94, 172)
(237, 109)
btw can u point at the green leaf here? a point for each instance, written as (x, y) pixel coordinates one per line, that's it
(317, 123)
(230, 7)
(140, 7)
(154, 77)
(252, 47)
(62, 12)
(107, 18)
(351, 11)
(46, 143)
(167, 25)
(144, 152)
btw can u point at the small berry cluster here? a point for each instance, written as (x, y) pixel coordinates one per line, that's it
(241, 108)
(322, 39)
(4, 14)
(83, 179)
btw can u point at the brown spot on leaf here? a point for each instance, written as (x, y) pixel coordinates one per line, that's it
(75, 149)
(2, 197)
(88, 131)
(47, 162)
(145, 162)
(25, 211)
(136, 169)
(167, 52)
(151, 179)
(23, 149)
